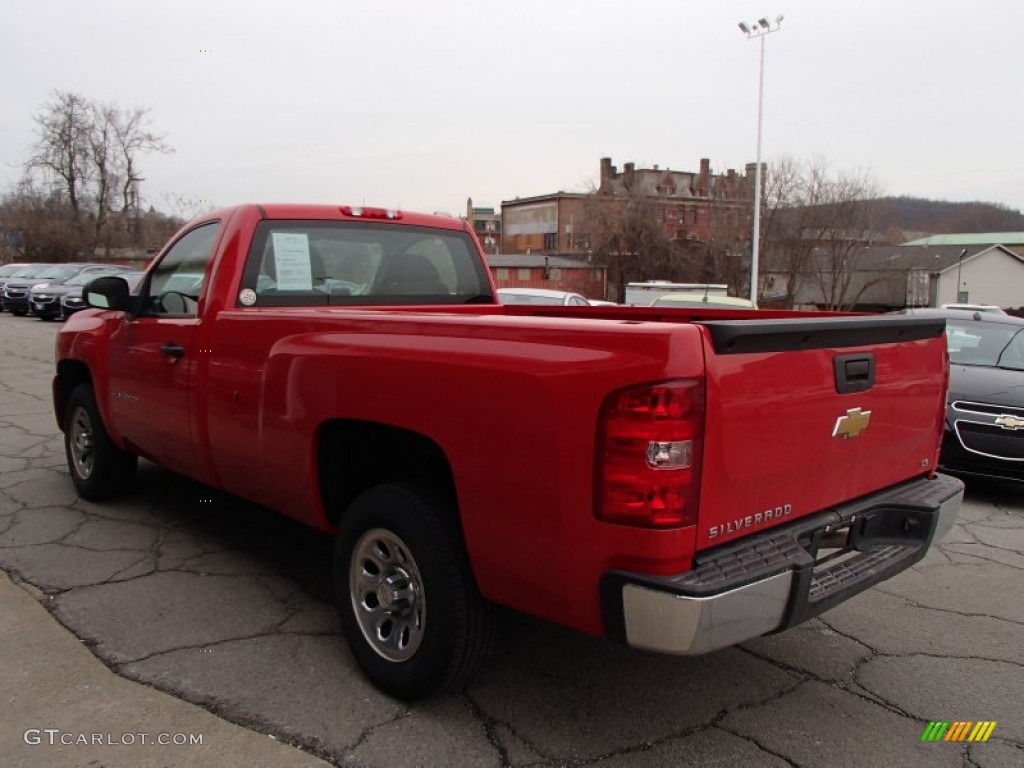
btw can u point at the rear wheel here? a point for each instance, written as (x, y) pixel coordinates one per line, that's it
(99, 469)
(407, 600)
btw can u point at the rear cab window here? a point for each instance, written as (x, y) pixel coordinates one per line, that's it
(315, 263)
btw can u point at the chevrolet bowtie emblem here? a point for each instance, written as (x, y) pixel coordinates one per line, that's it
(852, 424)
(1009, 422)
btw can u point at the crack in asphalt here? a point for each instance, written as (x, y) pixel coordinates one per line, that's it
(369, 730)
(988, 559)
(950, 611)
(489, 725)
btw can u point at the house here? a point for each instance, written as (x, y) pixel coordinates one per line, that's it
(1012, 240)
(881, 278)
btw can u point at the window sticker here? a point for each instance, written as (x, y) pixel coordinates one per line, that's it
(247, 297)
(291, 260)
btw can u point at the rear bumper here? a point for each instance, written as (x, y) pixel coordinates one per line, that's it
(771, 581)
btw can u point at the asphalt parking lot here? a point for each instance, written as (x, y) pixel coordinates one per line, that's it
(227, 607)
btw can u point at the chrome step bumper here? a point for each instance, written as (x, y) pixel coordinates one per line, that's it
(774, 580)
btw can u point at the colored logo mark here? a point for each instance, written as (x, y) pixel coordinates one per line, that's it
(852, 424)
(958, 730)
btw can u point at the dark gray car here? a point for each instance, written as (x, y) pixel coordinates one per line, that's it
(44, 299)
(984, 433)
(7, 271)
(71, 300)
(18, 285)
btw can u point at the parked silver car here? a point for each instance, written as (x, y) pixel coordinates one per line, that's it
(541, 296)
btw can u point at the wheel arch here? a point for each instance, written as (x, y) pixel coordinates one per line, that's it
(70, 373)
(355, 455)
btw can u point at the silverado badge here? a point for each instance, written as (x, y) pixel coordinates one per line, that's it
(851, 424)
(1007, 421)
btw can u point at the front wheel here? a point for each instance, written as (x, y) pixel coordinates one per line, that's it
(99, 469)
(407, 600)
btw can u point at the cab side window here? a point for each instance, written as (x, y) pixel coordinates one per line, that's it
(177, 281)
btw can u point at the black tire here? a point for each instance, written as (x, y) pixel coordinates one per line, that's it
(394, 538)
(99, 469)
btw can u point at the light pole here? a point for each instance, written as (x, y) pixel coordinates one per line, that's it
(959, 283)
(760, 29)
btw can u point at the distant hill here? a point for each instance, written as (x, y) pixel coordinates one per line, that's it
(940, 217)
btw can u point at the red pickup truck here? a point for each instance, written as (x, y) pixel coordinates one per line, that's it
(677, 480)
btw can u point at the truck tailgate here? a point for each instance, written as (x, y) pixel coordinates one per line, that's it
(803, 415)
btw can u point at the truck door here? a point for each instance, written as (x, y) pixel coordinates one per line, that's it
(153, 356)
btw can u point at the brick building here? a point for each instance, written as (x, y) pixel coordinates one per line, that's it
(487, 225)
(692, 205)
(560, 273)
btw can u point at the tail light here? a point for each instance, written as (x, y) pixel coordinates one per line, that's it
(648, 455)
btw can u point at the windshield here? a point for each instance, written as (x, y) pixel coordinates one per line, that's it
(57, 273)
(990, 344)
(85, 277)
(32, 270)
(9, 269)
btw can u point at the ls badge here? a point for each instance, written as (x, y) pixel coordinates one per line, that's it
(852, 424)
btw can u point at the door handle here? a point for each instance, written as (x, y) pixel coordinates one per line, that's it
(175, 351)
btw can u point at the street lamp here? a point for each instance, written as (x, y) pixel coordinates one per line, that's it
(760, 29)
(960, 297)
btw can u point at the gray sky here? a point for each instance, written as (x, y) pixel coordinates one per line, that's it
(422, 103)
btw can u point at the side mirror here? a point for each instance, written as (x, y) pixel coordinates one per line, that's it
(109, 292)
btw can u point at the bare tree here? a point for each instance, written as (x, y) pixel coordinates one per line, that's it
(627, 235)
(134, 138)
(185, 208)
(816, 223)
(88, 154)
(41, 218)
(104, 165)
(782, 248)
(841, 221)
(61, 151)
